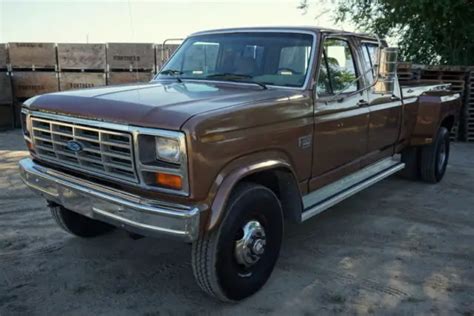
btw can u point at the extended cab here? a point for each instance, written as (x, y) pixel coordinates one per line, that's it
(242, 130)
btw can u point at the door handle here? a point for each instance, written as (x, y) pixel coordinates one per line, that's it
(362, 103)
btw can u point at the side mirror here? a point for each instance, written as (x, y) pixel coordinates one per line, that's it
(387, 71)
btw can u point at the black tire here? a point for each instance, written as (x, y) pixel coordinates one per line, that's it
(77, 224)
(411, 158)
(214, 260)
(434, 157)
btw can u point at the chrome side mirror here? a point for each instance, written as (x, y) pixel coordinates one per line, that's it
(387, 71)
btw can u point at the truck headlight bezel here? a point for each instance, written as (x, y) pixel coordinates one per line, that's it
(161, 152)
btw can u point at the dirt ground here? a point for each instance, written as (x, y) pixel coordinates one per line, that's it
(399, 247)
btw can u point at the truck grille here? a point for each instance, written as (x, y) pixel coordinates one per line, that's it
(98, 151)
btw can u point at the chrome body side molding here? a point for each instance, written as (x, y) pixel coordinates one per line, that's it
(322, 199)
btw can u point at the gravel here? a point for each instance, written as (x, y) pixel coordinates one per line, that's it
(399, 247)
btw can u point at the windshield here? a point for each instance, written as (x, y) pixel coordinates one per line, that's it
(267, 58)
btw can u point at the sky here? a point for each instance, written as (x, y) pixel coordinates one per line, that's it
(101, 21)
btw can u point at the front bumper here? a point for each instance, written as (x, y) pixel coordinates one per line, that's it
(121, 209)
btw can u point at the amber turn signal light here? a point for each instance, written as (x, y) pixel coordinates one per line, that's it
(30, 146)
(169, 180)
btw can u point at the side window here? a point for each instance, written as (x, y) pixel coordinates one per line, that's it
(323, 86)
(201, 58)
(369, 51)
(294, 59)
(340, 66)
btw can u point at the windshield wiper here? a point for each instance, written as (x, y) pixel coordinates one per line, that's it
(172, 72)
(236, 78)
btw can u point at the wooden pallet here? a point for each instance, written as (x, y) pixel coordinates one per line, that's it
(130, 56)
(6, 93)
(116, 78)
(454, 135)
(3, 56)
(469, 117)
(80, 80)
(81, 57)
(6, 116)
(27, 84)
(32, 56)
(406, 72)
(443, 75)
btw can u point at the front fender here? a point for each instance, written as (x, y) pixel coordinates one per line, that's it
(235, 171)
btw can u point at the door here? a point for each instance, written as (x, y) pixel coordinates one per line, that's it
(385, 111)
(341, 114)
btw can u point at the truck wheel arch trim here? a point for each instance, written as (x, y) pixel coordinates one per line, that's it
(232, 178)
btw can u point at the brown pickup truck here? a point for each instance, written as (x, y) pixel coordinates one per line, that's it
(242, 130)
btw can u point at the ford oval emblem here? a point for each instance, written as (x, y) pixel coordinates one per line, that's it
(74, 146)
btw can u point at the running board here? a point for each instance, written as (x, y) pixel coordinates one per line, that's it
(322, 199)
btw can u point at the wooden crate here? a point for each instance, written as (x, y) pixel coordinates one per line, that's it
(6, 116)
(115, 78)
(32, 55)
(3, 56)
(130, 56)
(6, 95)
(164, 53)
(27, 84)
(80, 80)
(81, 56)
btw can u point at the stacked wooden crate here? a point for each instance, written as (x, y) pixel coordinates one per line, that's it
(6, 95)
(406, 72)
(454, 75)
(33, 70)
(130, 63)
(164, 52)
(469, 120)
(81, 66)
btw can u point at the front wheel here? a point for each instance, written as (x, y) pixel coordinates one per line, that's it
(434, 157)
(235, 260)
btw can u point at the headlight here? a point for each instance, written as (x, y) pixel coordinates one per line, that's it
(168, 149)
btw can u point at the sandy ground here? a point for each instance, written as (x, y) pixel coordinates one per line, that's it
(399, 247)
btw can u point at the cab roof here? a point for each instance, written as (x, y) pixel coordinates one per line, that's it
(305, 29)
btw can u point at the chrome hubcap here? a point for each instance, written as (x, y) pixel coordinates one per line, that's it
(251, 246)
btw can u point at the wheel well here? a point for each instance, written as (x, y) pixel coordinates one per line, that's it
(283, 184)
(448, 122)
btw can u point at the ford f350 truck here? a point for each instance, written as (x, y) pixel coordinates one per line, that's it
(241, 131)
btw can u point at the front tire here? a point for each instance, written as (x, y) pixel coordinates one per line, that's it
(235, 260)
(77, 224)
(434, 157)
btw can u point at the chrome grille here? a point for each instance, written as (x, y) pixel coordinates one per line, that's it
(104, 152)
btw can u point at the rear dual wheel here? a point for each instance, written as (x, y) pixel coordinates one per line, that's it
(235, 260)
(428, 162)
(434, 157)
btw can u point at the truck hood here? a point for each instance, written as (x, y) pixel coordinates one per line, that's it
(166, 105)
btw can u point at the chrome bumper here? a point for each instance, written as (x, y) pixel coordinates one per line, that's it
(133, 213)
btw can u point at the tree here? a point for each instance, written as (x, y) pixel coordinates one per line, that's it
(426, 31)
